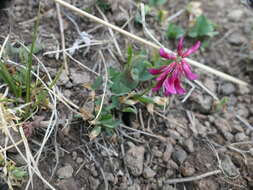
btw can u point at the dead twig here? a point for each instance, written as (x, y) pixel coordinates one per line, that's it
(161, 138)
(194, 178)
(246, 123)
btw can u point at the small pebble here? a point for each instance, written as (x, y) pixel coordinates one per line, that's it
(179, 155)
(79, 160)
(65, 172)
(240, 137)
(228, 88)
(148, 173)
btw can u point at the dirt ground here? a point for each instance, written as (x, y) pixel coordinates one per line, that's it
(186, 140)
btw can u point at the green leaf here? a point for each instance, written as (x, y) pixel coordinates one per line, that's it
(108, 121)
(139, 71)
(156, 2)
(129, 110)
(114, 104)
(19, 173)
(95, 132)
(144, 99)
(174, 31)
(9, 80)
(104, 6)
(138, 18)
(202, 27)
(121, 82)
(98, 83)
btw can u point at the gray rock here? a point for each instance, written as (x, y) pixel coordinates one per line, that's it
(148, 173)
(79, 160)
(120, 17)
(235, 15)
(242, 110)
(109, 177)
(63, 79)
(236, 39)
(206, 184)
(93, 171)
(67, 184)
(170, 172)
(224, 127)
(240, 137)
(248, 23)
(74, 155)
(65, 172)
(244, 89)
(67, 93)
(134, 187)
(94, 183)
(228, 136)
(169, 187)
(156, 152)
(173, 165)
(210, 84)
(188, 144)
(79, 77)
(228, 88)
(167, 153)
(174, 134)
(228, 166)
(134, 160)
(237, 128)
(202, 103)
(206, 104)
(187, 169)
(179, 155)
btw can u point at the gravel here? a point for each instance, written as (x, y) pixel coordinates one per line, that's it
(65, 172)
(179, 155)
(134, 160)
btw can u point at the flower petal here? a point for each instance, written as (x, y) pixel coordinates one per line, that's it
(169, 86)
(153, 71)
(187, 71)
(166, 71)
(178, 87)
(158, 86)
(166, 55)
(194, 48)
(180, 46)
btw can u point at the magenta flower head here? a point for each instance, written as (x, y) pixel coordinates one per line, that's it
(169, 77)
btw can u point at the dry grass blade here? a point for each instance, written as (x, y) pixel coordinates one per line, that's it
(62, 37)
(105, 87)
(194, 178)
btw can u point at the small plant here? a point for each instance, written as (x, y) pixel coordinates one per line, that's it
(15, 175)
(124, 98)
(220, 106)
(203, 27)
(156, 2)
(23, 87)
(104, 6)
(174, 31)
(138, 70)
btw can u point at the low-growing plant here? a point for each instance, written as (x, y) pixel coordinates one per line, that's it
(23, 87)
(15, 175)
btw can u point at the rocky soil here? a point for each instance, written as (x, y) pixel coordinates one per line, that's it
(186, 140)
